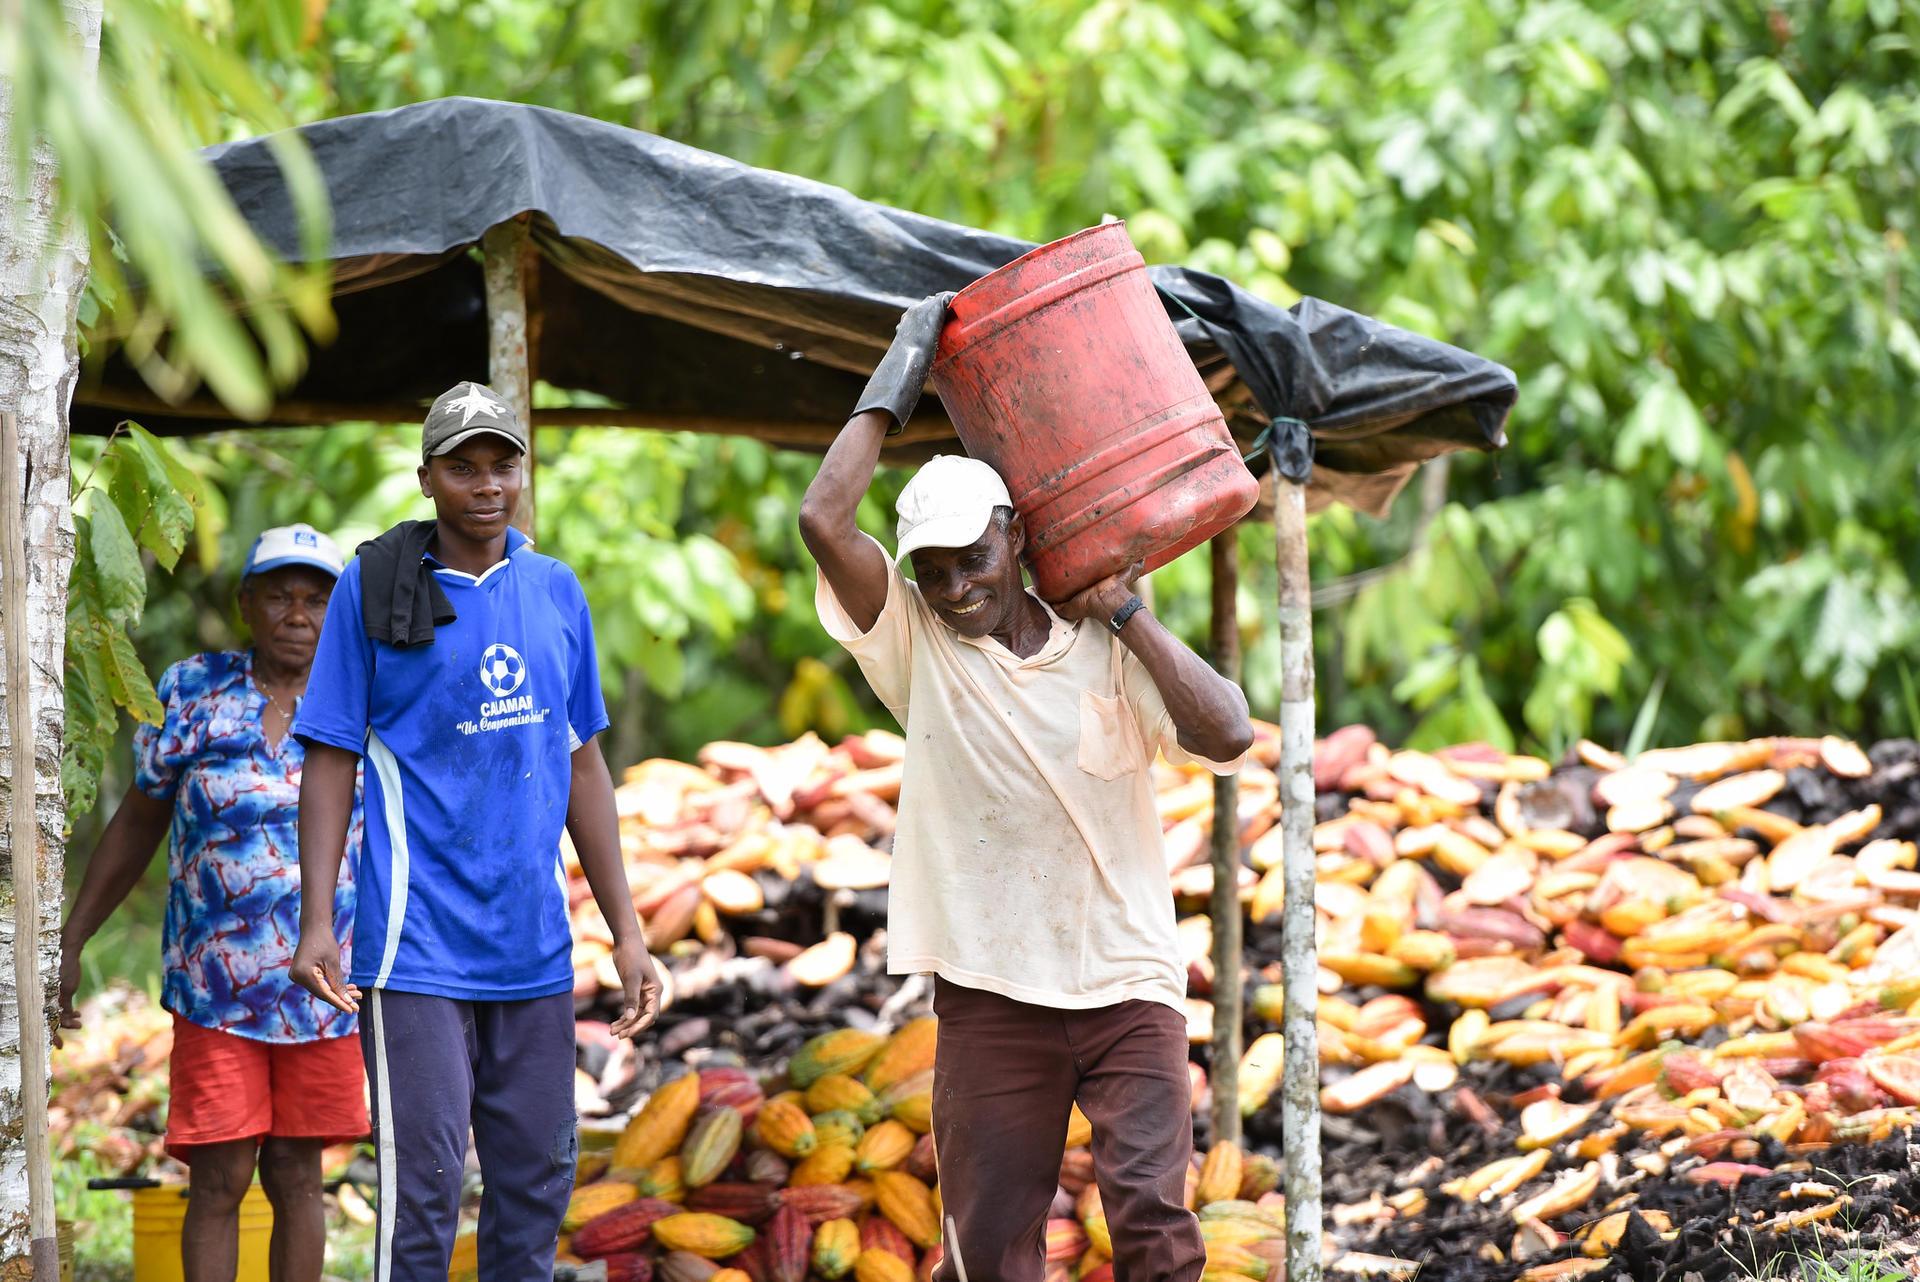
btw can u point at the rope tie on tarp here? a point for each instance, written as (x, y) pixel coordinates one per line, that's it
(1285, 440)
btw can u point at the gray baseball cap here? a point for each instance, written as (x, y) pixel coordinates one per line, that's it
(467, 410)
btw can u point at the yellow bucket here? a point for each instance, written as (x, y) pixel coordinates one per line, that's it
(158, 1214)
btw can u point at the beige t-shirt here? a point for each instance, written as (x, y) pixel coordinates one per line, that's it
(1027, 860)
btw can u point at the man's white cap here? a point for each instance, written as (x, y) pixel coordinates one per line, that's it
(948, 504)
(285, 545)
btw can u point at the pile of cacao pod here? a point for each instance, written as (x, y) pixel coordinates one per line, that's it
(833, 1175)
(1696, 954)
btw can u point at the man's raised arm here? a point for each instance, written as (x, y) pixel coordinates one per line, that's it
(856, 570)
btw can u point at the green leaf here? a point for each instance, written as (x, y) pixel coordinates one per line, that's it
(173, 492)
(126, 678)
(114, 560)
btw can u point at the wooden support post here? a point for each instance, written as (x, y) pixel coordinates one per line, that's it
(1300, 1080)
(508, 368)
(1227, 1004)
(24, 833)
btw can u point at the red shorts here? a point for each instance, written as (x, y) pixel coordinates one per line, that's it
(226, 1087)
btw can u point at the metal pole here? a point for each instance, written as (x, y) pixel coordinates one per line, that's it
(24, 831)
(1225, 906)
(508, 368)
(1300, 1079)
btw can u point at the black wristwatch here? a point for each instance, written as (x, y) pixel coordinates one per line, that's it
(1119, 620)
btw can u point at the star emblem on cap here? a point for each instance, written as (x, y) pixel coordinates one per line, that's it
(476, 400)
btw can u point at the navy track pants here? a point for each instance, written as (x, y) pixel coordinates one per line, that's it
(438, 1067)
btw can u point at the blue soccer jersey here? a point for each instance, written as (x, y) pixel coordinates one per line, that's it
(468, 745)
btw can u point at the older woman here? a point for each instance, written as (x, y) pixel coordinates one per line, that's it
(262, 1073)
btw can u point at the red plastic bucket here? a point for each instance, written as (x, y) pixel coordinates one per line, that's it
(1062, 371)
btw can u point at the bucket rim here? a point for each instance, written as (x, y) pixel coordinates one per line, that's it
(1006, 269)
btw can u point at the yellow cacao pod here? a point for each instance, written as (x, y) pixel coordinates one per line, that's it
(784, 1127)
(838, 1127)
(845, 1050)
(664, 1180)
(828, 1164)
(881, 1266)
(660, 1126)
(909, 1204)
(836, 1245)
(884, 1147)
(1220, 1174)
(712, 1237)
(838, 1092)
(590, 1200)
(1079, 1129)
(907, 1052)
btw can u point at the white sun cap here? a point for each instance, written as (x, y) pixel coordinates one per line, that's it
(285, 545)
(948, 504)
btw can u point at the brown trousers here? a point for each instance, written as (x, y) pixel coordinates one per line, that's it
(1006, 1077)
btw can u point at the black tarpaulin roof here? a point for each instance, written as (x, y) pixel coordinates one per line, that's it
(687, 290)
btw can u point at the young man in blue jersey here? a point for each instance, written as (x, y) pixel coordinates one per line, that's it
(460, 664)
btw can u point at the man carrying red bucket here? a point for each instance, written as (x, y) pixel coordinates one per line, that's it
(1028, 875)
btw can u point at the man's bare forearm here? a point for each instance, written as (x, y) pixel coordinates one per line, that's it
(1209, 712)
(326, 811)
(594, 824)
(855, 569)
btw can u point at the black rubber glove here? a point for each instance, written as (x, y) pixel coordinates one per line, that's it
(902, 373)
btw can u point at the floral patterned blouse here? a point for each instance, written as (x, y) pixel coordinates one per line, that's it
(233, 862)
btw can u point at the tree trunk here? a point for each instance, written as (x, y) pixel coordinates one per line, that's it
(1225, 905)
(1299, 958)
(43, 269)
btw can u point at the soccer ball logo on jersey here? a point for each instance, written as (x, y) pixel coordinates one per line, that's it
(502, 669)
(503, 672)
